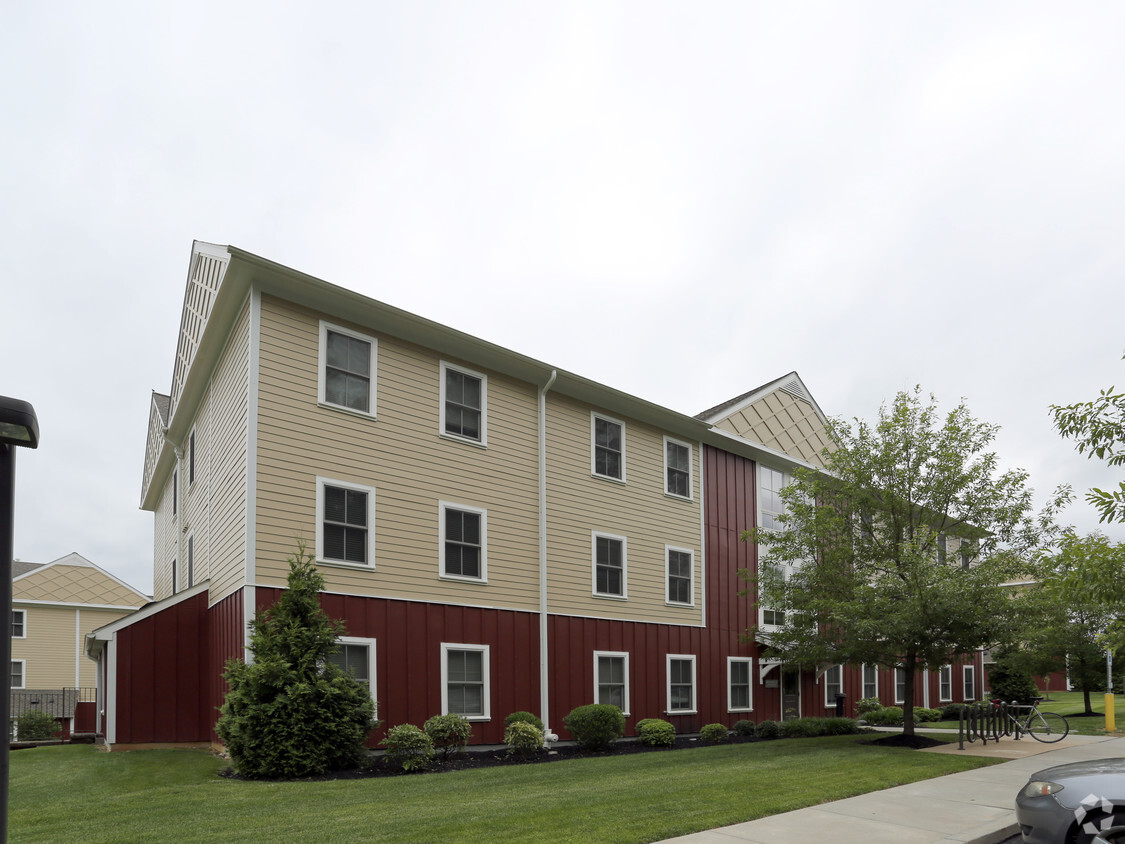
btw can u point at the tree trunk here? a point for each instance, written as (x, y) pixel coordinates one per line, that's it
(1086, 700)
(909, 669)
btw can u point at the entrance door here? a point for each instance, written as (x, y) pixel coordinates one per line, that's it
(790, 694)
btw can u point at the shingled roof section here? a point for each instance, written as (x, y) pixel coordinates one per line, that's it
(21, 568)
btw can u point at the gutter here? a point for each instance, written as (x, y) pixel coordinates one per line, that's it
(544, 682)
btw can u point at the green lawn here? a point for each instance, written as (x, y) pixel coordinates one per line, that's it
(1070, 705)
(78, 793)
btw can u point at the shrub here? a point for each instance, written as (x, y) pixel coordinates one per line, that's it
(523, 738)
(595, 726)
(408, 748)
(925, 716)
(449, 733)
(36, 725)
(840, 726)
(290, 712)
(802, 727)
(767, 730)
(526, 717)
(656, 732)
(952, 711)
(714, 734)
(744, 728)
(888, 716)
(1009, 682)
(867, 704)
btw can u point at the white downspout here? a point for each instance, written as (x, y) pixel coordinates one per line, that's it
(544, 682)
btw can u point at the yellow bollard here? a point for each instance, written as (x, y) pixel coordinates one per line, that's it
(1110, 715)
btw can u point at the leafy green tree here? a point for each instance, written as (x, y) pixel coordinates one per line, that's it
(290, 712)
(857, 566)
(1098, 426)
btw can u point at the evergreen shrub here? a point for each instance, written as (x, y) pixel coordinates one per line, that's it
(523, 738)
(36, 725)
(656, 732)
(744, 728)
(595, 726)
(408, 748)
(714, 734)
(767, 730)
(449, 733)
(526, 717)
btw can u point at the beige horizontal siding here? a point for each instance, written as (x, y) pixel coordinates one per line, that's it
(401, 455)
(54, 648)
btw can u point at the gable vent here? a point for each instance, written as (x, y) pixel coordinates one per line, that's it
(794, 387)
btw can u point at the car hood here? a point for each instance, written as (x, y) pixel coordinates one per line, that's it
(1100, 777)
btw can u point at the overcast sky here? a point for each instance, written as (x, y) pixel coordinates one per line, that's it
(682, 201)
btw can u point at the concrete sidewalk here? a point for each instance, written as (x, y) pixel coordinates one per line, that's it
(972, 806)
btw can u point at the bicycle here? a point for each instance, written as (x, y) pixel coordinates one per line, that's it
(1047, 727)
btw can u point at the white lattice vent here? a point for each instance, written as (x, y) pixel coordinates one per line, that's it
(794, 387)
(203, 283)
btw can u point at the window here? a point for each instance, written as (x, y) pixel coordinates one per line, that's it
(871, 681)
(357, 657)
(772, 617)
(681, 683)
(345, 523)
(464, 396)
(739, 694)
(900, 684)
(191, 458)
(677, 468)
(942, 548)
(680, 575)
(771, 483)
(190, 561)
(833, 684)
(611, 679)
(19, 673)
(347, 369)
(608, 447)
(945, 683)
(462, 542)
(967, 553)
(969, 692)
(175, 576)
(175, 491)
(609, 565)
(464, 681)
(19, 624)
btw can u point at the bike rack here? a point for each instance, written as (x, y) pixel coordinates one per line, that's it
(986, 722)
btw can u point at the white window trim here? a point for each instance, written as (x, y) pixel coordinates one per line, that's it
(321, 483)
(23, 673)
(691, 469)
(23, 626)
(900, 698)
(948, 697)
(322, 363)
(863, 679)
(750, 682)
(786, 479)
(594, 416)
(831, 704)
(969, 671)
(668, 685)
(483, 441)
(449, 505)
(446, 647)
(189, 561)
(191, 459)
(625, 656)
(624, 596)
(668, 574)
(174, 584)
(371, 664)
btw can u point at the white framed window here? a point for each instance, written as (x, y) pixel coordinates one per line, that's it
(19, 673)
(833, 684)
(190, 568)
(607, 447)
(610, 565)
(969, 689)
(345, 523)
(611, 679)
(770, 505)
(871, 681)
(945, 683)
(740, 689)
(681, 683)
(175, 491)
(19, 624)
(191, 458)
(768, 617)
(347, 367)
(464, 404)
(356, 656)
(462, 542)
(464, 681)
(679, 576)
(677, 468)
(175, 576)
(900, 684)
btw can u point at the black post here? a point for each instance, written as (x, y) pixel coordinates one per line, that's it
(7, 519)
(840, 698)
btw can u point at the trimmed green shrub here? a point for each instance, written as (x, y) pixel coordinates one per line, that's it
(840, 726)
(867, 704)
(744, 728)
(714, 734)
(36, 725)
(408, 748)
(767, 730)
(595, 726)
(922, 715)
(523, 738)
(449, 733)
(290, 712)
(656, 732)
(888, 716)
(526, 717)
(952, 711)
(801, 727)
(1008, 681)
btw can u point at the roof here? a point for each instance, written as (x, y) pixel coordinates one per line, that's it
(72, 579)
(20, 568)
(790, 383)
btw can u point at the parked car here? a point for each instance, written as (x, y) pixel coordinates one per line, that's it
(1079, 803)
